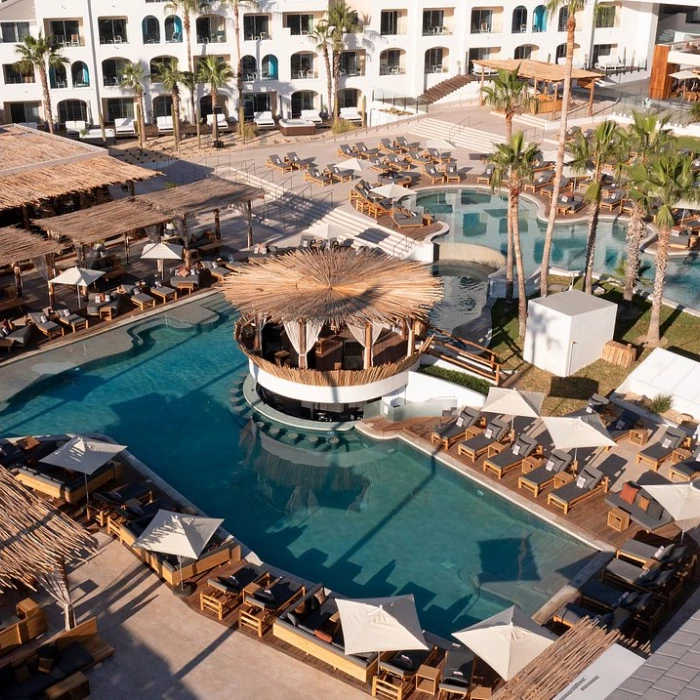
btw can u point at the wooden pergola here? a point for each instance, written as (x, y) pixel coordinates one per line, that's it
(542, 71)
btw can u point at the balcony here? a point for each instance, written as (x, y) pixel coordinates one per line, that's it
(112, 31)
(438, 22)
(303, 66)
(211, 30)
(256, 28)
(392, 69)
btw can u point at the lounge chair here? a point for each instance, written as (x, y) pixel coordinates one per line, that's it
(620, 428)
(378, 164)
(364, 152)
(350, 114)
(638, 504)
(49, 328)
(688, 469)
(259, 608)
(511, 458)
(219, 272)
(597, 403)
(612, 201)
(589, 482)
(658, 452)
(139, 298)
(346, 151)
(71, 320)
(540, 180)
(570, 204)
(495, 431)
(485, 177)
(433, 174)
(396, 675)
(165, 125)
(224, 593)
(297, 163)
(642, 552)
(456, 679)
(221, 122)
(340, 175)
(660, 581)
(264, 120)
(570, 614)
(389, 147)
(16, 335)
(566, 185)
(438, 156)
(311, 115)
(642, 607)
(572, 131)
(539, 479)
(679, 239)
(397, 163)
(125, 126)
(188, 282)
(118, 497)
(417, 157)
(403, 143)
(405, 218)
(452, 173)
(313, 175)
(448, 433)
(541, 164)
(75, 126)
(276, 163)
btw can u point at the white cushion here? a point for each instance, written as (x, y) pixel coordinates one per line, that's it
(666, 443)
(516, 450)
(488, 433)
(549, 465)
(581, 482)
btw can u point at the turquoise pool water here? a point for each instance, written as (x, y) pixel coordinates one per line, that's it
(476, 216)
(364, 518)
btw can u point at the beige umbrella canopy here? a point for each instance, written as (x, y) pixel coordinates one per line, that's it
(335, 286)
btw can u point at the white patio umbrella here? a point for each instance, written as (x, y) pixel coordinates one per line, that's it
(684, 75)
(179, 535)
(162, 252)
(322, 229)
(681, 500)
(507, 642)
(380, 624)
(355, 164)
(392, 191)
(581, 431)
(513, 402)
(83, 455)
(77, 277)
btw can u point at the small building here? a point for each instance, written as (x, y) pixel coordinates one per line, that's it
(567, 331)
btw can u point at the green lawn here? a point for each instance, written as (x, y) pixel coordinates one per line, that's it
(680, 333)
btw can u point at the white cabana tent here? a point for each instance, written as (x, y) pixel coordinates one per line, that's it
(567, 331)
(182, 536)
(162, 252)
(507, 642)
(76, 277)
(666, 372)
(380, 624)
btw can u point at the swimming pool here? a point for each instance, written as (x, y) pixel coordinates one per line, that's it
(464, 294)
(477, 216)
(365, 518)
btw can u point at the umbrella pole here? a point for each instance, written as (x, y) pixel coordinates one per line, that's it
(79, 297)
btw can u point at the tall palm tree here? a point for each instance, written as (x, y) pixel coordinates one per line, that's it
(572, 7)
(132, 78)
(216, 73)
(514, 164)
(666, 179)
(171, 76)
(603, 148)
(41, 54)
(341, 20)
(506, 94)
(321, 36)
(647, 137)
(236, 6)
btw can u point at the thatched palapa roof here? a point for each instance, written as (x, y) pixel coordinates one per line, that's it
(33, 535)
(18, 245)
(335, 286)
(537, 70)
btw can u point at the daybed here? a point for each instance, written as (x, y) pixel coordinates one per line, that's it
(589, 482)
(638, 504)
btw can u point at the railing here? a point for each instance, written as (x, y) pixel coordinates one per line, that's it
(459, 127)
(467, 355)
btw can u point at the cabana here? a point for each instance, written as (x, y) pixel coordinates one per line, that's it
(541, 71)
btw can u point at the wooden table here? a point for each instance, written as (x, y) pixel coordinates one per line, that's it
(495, 448)
(164, 293)
(427, 679)
(26, 608)
(562, 479)
(281, 357)
(639, 436)
(75, 687)
(531, 463)
(618, 519)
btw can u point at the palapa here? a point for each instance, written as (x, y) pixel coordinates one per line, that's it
(536, 70)
(336, 286)
(19, 245)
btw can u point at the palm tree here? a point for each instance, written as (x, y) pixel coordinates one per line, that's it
(171, 76)
(321, 36)
(341, 20)
(694, 112)
(572, 7)
(132, 77)
(666, 179)
(506, 94)
(604, 147)
(40, 53)
(216, 73)
(647, 137)
(514, 164)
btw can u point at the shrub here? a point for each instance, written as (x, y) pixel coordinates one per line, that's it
(342, 127)
(660, 403)
(451, 375)
(249, 131)
(170, 185)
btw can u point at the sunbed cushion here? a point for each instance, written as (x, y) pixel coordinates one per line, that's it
(629, 492)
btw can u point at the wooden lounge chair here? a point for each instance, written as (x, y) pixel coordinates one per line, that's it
(340, 175)
(452, 431)
(452, 173)
(570, 204)
(276, 163)
(658, 452)
(620, 428)
(365, 152)
(485, 177)
(49, 328)
(225, 593)
(539, 479)
(71, 320)
(566, 186)
(142, 300)
(297, 163)
(260, 607)
(403, 143)
(397, 163)
(511, 458)
(346, 151)
(377, 164)
(589, 482)
(405, 218)
(680, 239)
(643, 608)
(389, 147)
(433, 174)
(396, 676)
(688, 469)
(612, 201)
(313, 175)
(540, 180)
(456, 678)
(660, 581)
(437, 156)
(495, 431)
(570, 614)
(642, 552)
(418, 158)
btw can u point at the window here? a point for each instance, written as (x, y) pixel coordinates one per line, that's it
(348, 97)
(539, 19)
(480, 54)
(560, 54)
(256, 102)
(112, 71)
(433, 21)
(13, 32)
(433, 60)
(563, 19)
(249, 67)
(24, 112)
(519, 25)
(269, 68)
(66, 32)
(13, 75)
(112, 31)
(600, 50)
(300, 25)
(57, 77)
(693, 16)
(173, 29)
(523, 53)
(157, 62)
(162, 106)
(72, 110)
(120, 108)
(302, 65)
(390, 62)
(389, 23)
(482, 21)
(351, 63)
(256, 27)
(304, 99)
(80, 75)
(211, 29)
(151, 30)
(605, 16)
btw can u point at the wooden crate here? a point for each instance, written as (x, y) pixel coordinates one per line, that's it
(620, 354)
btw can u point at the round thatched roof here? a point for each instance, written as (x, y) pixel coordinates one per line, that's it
(336, 286)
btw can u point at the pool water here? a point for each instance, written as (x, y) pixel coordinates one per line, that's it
(365, 518)
(477, 216)
(464, 294)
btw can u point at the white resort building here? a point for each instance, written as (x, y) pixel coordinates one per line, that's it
(401, 50)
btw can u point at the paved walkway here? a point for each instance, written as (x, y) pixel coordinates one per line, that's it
(165, 650)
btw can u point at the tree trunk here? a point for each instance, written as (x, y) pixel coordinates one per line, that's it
(215, 120)
(48, 112)
(239, 66)
(329, 77)
(142, 121)
(590, 245)
(509, 125)
(635, 233)
(186, 22)
(176, 111)
(513, 205)
(559, 168)
(509, 261)
(654, 335)
(336, 81)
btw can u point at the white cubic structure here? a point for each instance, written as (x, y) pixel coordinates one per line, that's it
(567, 331)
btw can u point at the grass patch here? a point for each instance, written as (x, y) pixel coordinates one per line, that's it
(679, 331)
(451, 375)
(690, 142)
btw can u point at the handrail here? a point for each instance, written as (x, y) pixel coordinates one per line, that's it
(457, 128)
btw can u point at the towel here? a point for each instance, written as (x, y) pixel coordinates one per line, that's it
(516, 450)
(550, 465)
(581, 482)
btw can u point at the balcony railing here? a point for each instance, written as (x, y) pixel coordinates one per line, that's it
(304, 74)
(392, 70)
(437, 30)
(69, 41)
(436, 69)
(218, 38)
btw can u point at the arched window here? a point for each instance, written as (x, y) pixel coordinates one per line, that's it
(392, 62)
(112, 69)
(560, 54)
(348, 97)
(519, 25)
(173, 29)
(159, 61)
(57, 77)
(563, 19)
(523, 53)
(205, 105)
(80, 74)
(72, 110)
(162, 106)
(539, 19)
(303, 65)
(436, 60)
(151, 30)
(269, 68)
(249, 68)
(303, 99)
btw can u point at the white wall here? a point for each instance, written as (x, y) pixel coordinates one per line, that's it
(589, 334)
(423, 387)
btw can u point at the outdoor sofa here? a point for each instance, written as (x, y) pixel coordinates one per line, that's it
(262, 606)
(638, 504)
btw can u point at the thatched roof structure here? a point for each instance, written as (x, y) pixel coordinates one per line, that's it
(34, 535)
(336, 286)
(22, 147)
(18, 245)
(537, 70)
